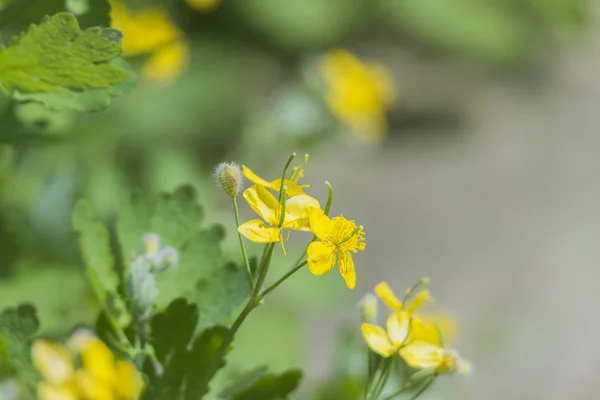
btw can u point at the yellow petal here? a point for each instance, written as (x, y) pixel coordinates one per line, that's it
(398, 325)
(143, 31)
(46, 391)
(320, 257)
(130, 384)
(423, 331)
(97, 358)
(446, 323)
(292, 188)
(347, 268)
(377, 340)
(296, 211)
(167, 62)
(258, 232)
(386, 294)
(422, 355)
(320, 224)
(420, 298)
(252, 177)
(53, 361)
(263, 203)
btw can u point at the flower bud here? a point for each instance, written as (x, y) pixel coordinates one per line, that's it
(230, 178)
(166, 258)
(151, 244)
(142, 288)
(368, 308)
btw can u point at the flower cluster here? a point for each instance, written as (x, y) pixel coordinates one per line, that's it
(293, 210)
(83, 369)
(417, 339)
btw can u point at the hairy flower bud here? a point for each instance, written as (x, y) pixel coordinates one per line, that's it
(368, 308)
(142, 289)
(167, 258)
(230, 178)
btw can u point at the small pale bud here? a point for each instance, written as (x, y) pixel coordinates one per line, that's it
(142, 289)
(151, 244)
(166, 258)
(368, 308)
(230, 178)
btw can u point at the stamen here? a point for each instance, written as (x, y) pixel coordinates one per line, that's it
(354, 232)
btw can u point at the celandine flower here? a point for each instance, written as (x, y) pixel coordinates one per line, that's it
(151, 31)
(339, 236)
(358, 93)
(417, 340)
(291, 184)
(267, 206)
(96, 374)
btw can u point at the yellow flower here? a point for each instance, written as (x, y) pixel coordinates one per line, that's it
(423, 350)
(203, 6)
(417, 340)
(339, 236)
(99, 377)
(358, 93)
(269, 209)
(293, 189)
(151, 31)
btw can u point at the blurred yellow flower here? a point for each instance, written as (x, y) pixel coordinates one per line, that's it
(97, 376)
(419, 341)
(203, 6)
(358, 93)
(270, 209)
(339, 236)
(151, 31)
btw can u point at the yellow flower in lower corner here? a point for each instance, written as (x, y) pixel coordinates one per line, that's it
(268, 207)
(151, 31)
(338, 237)
(98, 376)
(358, 93)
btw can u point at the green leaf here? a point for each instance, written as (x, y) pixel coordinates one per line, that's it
(63, 67)
(186, 374)
(219, 294)
(244, 381)
(271, 387)
(177, 219)
(94, 241)
(173, 329)
(17, 327)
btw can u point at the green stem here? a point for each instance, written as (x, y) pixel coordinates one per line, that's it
(283, 278)
(287, 164)
(244, 254)
(377, 378)
(423, 389)
(263, 269)
(382, 383)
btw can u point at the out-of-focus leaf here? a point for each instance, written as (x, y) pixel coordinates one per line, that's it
(562, 13)
(176, 218)
(488, 30)
(271, 387)
(219, 294)
(62, 295)
(173, 329)
(298, 24)
(243, 382)
(17, 327)
(63, 67)
(94, 241)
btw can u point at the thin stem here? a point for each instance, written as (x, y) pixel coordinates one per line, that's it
(377, 378)
(329, 198)
(423, 389)
(214, 364)
(244, 254)
(382, 383)
(283, 278)
(287, 164)
(263, 270)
